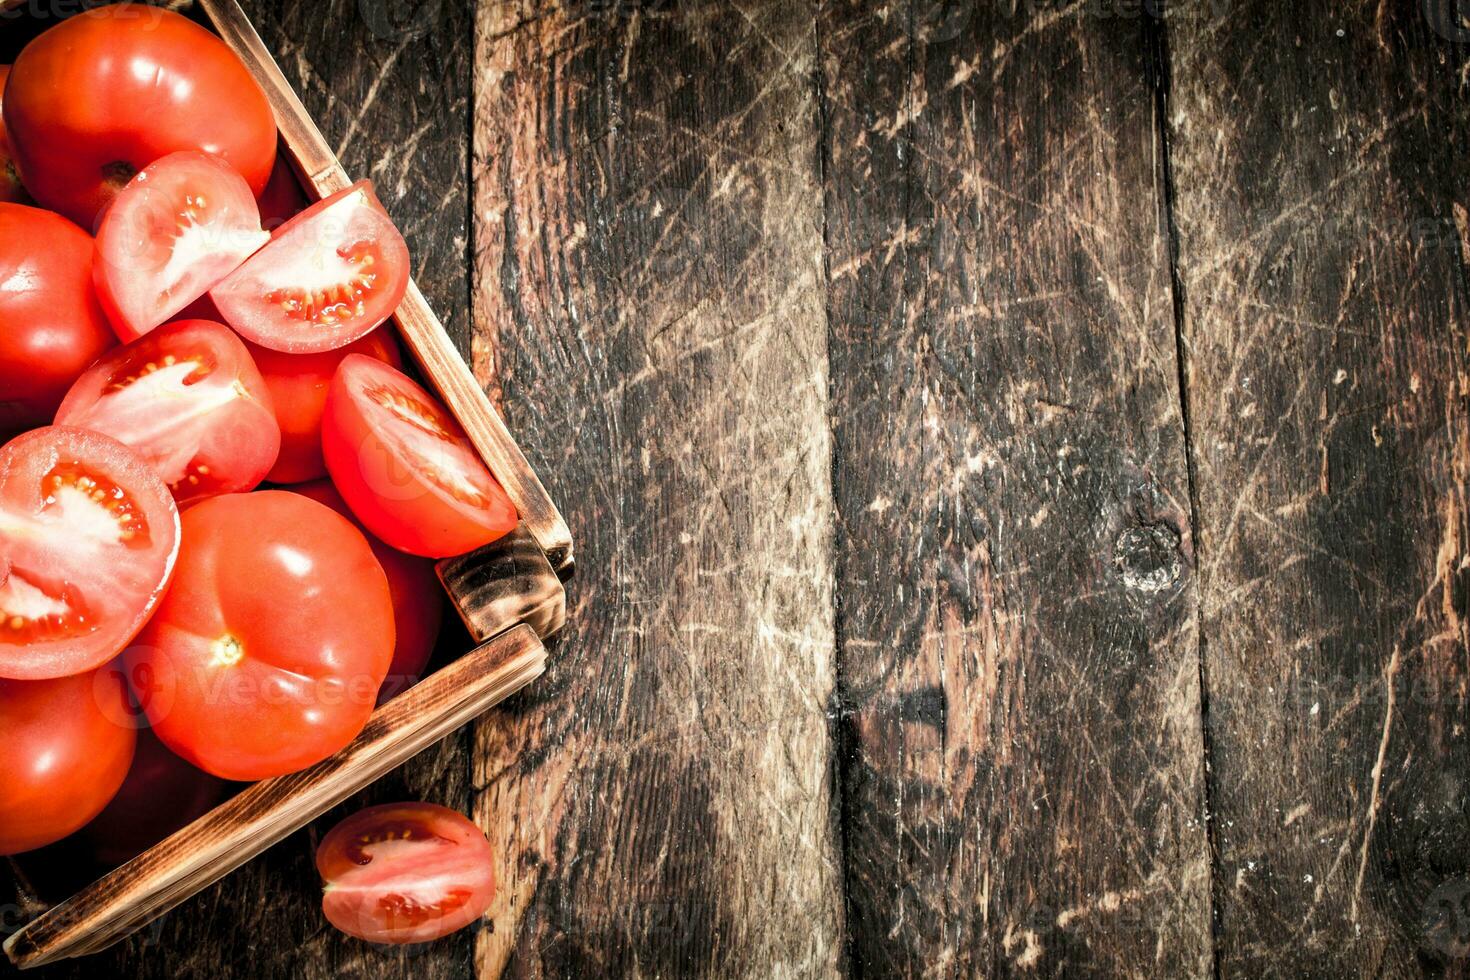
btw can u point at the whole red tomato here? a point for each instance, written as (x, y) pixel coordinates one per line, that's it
(108, 91)
(11, 189)
(68, 745)
(405, 873)
(418, 598)
(267, 653)
(51, 325)
(161, 794)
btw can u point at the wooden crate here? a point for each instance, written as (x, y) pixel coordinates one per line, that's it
(509, 594)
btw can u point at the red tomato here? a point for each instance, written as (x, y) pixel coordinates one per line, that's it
(282, 199)
(51, 326)
(67, 748)
(418, 598)
(88, 538)
(405, 873)
(161, 794)
(105, 93)
(405, 467)
(11, 189)
(189, 399)
(330, 275)
(183, 224)
(268, 651)
(298, 384)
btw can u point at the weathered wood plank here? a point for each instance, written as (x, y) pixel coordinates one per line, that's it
(389, 85)
(1316, 156)
(649, 302)
(1018, 660)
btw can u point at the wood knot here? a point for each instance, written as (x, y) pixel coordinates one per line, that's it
(1148, 557)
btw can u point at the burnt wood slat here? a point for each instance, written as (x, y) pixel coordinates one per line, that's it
(1020, 700)
(649, 307)
(1318, 157)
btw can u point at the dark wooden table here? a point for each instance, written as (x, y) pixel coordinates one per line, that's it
(1018, 453)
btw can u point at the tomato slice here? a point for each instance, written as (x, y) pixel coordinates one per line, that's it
(189, 399)
(88, 538)
(418, 598)
(178, 227)
(329, 276)
(405, 873)
(68, 744)
(298, 385)
(268, 651)
(405, 466)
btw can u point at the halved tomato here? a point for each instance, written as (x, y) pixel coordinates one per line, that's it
(178, 227)
(11, 189)
(298, 385)
(405, 873)
(405, 466)
(329, 275)
(190, 400)
(88, 539)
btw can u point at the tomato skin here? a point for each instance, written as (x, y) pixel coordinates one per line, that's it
(88, 540)
(11, 188)
(161, 794)
(405, 873)
(268, 651)
(51, 325)
(298, 385)
(330, 275)
(54, 777)
(405, 466)
(190, 400)
(181, 225)
(418, 598)
(108, 91)
(282, 198)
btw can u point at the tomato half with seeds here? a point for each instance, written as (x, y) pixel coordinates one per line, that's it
(268, 651)
(11, 188)
(88, 539)
(68, 746)
(329, 276)
(418, 598)
(51, 325)
(183, 224)
(105, 93)
(190, 400)
(405, 466)
(298, 385)
(405, 873)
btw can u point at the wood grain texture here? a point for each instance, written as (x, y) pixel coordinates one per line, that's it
(649, 302)
(1020, 695)
(1317, 159)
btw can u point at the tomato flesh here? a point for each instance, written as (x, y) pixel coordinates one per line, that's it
(267, 653)
(55, 776)
(51, 325)
(88, 539)
(405, 466)
(298, 385)
(183, 224)
(189, 399)
(11, 188)
(418, 598)
(329, 276)
(405, 873)
(105, 93)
